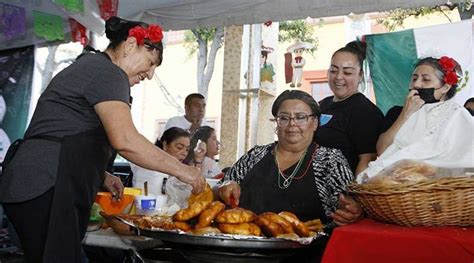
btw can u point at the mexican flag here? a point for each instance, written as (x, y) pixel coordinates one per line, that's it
(392, 57)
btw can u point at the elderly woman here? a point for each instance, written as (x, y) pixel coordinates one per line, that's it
(354, 121)
(293, 174)
(430, 127)
(49, 185)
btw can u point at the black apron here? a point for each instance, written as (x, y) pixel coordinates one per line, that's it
(82, 161)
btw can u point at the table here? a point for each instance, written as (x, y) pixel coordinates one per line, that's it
(108, 238)
(371, 241)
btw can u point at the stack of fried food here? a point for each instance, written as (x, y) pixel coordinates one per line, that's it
(206, 216)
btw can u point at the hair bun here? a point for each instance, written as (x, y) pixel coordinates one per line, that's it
(358, 46)
(114, 28)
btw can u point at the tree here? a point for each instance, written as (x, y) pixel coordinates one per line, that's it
(396, 18)
(199, 40)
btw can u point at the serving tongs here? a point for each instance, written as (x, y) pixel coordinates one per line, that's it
(130, 224)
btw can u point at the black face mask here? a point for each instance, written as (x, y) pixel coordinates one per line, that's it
(470, 111)
(427, 95)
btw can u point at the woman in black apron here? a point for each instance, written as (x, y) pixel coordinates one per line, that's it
(50, 179)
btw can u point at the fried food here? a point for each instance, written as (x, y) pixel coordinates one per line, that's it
(235, 216)
(191, 211)
(282, 222)
(292, 236)
(206, 230)
(246, 229)
(314, 225)
(207, 216)
(297, 225)
(206, 196)
(183, 226)
(269, 227)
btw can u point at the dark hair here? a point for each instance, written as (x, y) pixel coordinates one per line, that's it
(296, 95)
(170, 135)
(116, 30)
(192, 96)
(356, 48)
(470, 100)
(202, 133)
(439, 72)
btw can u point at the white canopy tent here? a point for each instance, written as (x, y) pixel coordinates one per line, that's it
(180, 14)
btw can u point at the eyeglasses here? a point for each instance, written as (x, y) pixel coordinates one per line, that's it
(300, 119)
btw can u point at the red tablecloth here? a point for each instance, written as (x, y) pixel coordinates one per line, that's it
(370, 241)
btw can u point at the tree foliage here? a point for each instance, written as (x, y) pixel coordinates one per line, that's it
(297, 29)
(395, 18)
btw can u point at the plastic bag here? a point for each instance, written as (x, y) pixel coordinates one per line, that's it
(411, 171)
(178, 192)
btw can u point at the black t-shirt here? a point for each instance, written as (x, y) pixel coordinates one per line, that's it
(300, 197)
(391, 117)
(354, 126)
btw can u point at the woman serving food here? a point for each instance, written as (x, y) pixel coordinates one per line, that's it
(293, 174)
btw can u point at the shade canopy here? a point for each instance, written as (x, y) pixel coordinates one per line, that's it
(188, 14)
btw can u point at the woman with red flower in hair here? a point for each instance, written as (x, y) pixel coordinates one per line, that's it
(430, 127)
(51, 177)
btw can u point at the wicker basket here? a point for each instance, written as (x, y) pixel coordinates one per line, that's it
(447, 201)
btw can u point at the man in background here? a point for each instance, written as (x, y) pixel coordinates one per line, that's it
(195, 109)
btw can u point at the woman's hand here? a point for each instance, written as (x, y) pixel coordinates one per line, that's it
(348, 212)
(200, 152)
(229, 192)
(192, 175)
(114, 185)
(413, 103)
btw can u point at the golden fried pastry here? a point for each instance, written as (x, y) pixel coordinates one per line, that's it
(183, 226)
(297, 225)
(191, 211)
(206, 196)
(282, 222)
(292, 236)
(314, 225)
(269, 228)
(206, 230)
(207, 216)
(235, 216)
(245, 229)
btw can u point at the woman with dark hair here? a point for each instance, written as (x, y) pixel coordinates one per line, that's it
(430, 127)
(208, 165)
(354, 121)
(293, 174)
(50, 179)
(174, 141)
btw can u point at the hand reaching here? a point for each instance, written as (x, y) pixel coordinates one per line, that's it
(229, 192)
(192, 175)
(114, 185)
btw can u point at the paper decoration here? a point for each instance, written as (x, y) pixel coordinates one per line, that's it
(12, 19)
(108, 8)
(49, 26)
(71, 5)
(78, 32)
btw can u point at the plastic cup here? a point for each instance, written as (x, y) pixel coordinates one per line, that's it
(145, 204)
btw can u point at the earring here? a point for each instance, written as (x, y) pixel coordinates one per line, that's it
(276, 130)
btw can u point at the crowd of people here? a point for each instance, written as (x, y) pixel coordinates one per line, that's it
(53, 175)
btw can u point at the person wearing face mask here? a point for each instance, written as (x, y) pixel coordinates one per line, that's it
(51, 178)
(469, 105)
(352, 121)
(430, 127)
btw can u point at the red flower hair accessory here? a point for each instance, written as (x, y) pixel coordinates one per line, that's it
(448, 66)
(153, 33)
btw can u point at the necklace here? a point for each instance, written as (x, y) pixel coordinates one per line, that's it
(287, 179)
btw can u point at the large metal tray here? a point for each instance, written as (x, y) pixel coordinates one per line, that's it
(223, 241)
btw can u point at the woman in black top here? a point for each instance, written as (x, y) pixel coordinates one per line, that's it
(51, 178)
(354, 121)
(293, 174)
